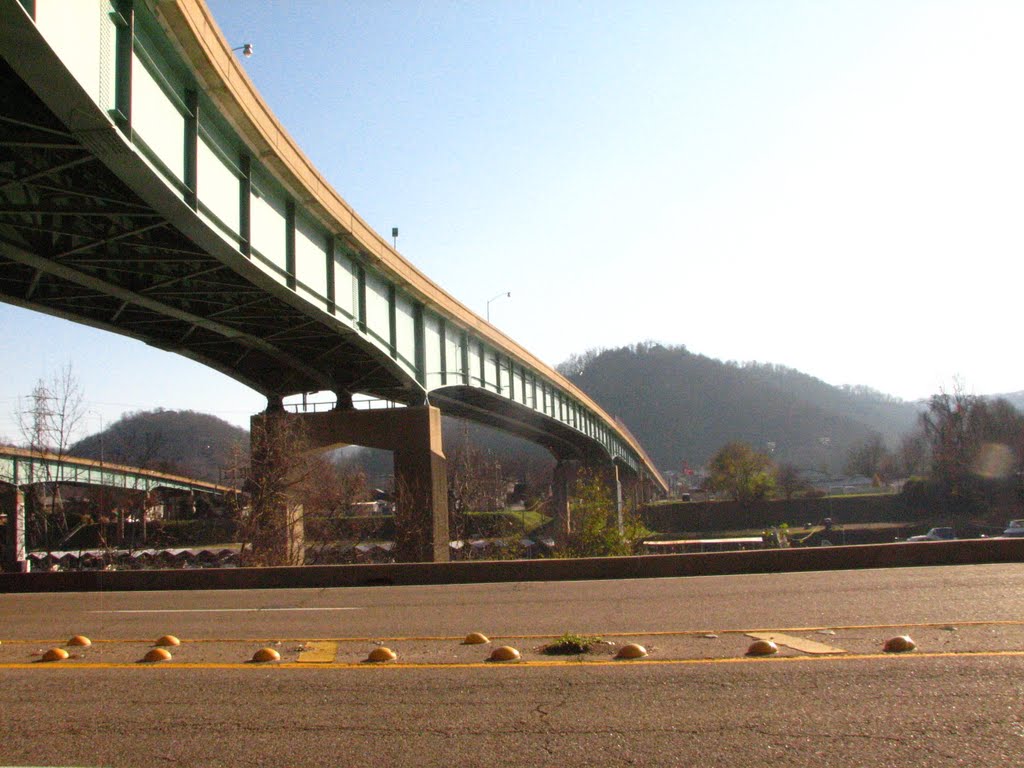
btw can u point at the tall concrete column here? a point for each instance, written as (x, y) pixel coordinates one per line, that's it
(617, 489)
(421, 484)
(566, 471)
(276, 530)
(15, 552)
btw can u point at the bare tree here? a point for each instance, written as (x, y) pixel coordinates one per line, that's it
(868, 457)
(788, 481)
(476, 483)
(912, 453)
(328, 496)
(975, 448)
(297, 504)
(48, 421)
(270, 525)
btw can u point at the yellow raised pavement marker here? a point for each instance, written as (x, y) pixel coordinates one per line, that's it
(899, 644)
(266, 654)
(796, 643)
(318, 652)
(505, 653)
(476, 638)
(167, 640)
(381, 654)
(762, 648)
(157, 654)
(55, 654)
(80, 641)
(631, 651)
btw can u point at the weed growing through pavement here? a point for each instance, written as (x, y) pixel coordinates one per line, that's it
(571, 644)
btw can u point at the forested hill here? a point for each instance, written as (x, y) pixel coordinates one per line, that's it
(683, 407)
(180, 442)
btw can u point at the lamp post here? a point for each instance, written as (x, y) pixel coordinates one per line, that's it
(245, 48)
(502, 295)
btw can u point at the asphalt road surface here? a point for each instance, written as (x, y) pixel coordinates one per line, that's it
(830, 697)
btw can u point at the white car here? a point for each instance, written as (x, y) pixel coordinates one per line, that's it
(1014, 530)
(937, 534)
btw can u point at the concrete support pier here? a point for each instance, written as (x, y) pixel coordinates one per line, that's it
(15, 554)
(276, 530)
(421, 483)
(566, 472)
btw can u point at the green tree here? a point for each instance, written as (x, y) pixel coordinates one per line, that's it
(743, 473)
(595, 522)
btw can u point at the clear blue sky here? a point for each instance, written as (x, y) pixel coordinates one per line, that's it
(833, 186)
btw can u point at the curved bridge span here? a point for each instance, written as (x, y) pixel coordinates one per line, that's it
(147, 189)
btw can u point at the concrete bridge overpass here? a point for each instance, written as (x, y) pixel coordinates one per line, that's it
(147, 189)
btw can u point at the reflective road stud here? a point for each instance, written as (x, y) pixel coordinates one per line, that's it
(157, 654)
(266, 654)
(762, 648)
(55, 654)
(631, 651)
(167, 640)
(476, 638)
(505, 653)
(80, 641)
(899, 644)
(381, 654)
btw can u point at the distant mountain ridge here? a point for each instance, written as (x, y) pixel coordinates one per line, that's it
(683, 406)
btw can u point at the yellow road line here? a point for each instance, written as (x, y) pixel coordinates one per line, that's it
(200, 666)
(459, 638)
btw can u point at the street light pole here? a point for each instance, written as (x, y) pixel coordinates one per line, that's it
(502, 295)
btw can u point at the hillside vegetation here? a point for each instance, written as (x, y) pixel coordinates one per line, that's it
(180, 442)
(683, 407)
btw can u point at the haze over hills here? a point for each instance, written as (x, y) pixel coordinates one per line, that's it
(683, 406)
(1016, 399)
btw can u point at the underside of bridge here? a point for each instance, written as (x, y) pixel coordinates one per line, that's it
(77, 243)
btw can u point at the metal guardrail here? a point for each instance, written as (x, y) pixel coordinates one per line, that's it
(367, 404)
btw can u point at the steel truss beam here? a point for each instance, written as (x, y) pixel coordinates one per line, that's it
(75, 242)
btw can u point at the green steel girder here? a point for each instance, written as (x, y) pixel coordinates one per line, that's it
(87, 268)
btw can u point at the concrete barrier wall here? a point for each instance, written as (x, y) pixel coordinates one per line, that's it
(720, 515)
(964, 552)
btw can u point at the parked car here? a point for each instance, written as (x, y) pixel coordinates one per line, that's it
(937, 534)
(1014, 530)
